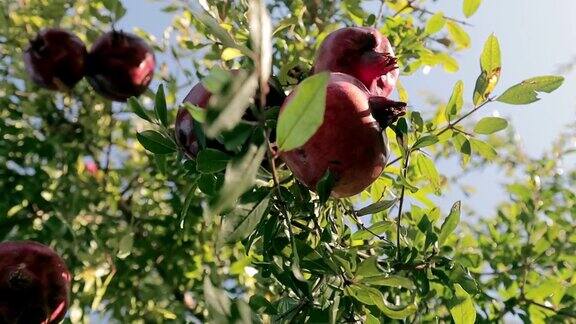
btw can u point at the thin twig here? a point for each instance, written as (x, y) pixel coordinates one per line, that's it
(399, 218)
(451, 125)
(424, 10)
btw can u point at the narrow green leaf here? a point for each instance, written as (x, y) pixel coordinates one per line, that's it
(238, 226)
(526, 92)
(137, 108)
(388, 280)
(435, 23)
(216, 80)
(160, 106)
(216, 299)
(484, 149)
(325, 185)
(376, 228)
(490, 125)
(156, 142)
(239, 177)
(199, 114)
(376, 207)
(211, 161)
(458, 34)
(226, 110)
(372, 296)
(454, 105)
(425, 141)
(428, 169)
(450, 223)
(260, 28)
(230, 53)
(125, 246)
(470, 7)
(304, 113)
(462, 307)
(490, 59)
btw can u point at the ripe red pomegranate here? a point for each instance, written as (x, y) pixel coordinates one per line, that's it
(199, 96)
(350, 142)
(120, 65)
(34, 284)
(363, 53)
(55, 59)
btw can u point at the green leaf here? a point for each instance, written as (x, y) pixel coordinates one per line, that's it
(367, 268)
(376, 207)
(490, 63)
(458, 34)
(389, 281)
(304, 113)
(454, 105)
(450, 223)
(435, 23)
(225, 111)
(260, 28)
(125, 246)
(372, 296)
(376, 228)
(325, 185)
(211, 161)
(238, 226)
(216, 80)
(160, 106)
(260, 305)
(470, 7)
(428, 169)
(425, 141)
(156, 142)
(490, 125)
(239, 177)
(527, 91)
(490, 59)
(484, 149)
(216, 299)
(462, 307)
(198, 113)
(137, 108)
(230, 53)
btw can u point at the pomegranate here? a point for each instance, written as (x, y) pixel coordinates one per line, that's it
(350, 142)
(363, 53)
(199, 96)
(56, 59)
(34, 284)
(120, 65)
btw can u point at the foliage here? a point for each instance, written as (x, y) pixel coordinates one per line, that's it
(231, 236)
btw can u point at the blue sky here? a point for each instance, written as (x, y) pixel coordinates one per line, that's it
(536, 38)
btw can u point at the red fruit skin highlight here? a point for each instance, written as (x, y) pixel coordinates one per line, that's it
(120, 65)
(349, 143)
(34, 284)
(363, 53)
(56, 59)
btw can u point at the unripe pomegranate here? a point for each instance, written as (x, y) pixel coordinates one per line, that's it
(350, 142)
(34, 284)
(56, 59)
(199, 96)
(363, 53)
(120, 65)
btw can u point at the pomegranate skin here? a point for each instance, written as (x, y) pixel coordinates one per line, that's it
(56, 59)
(349, 143)
(199, 96)
(363, 53)
(34, 284)
(120, 65)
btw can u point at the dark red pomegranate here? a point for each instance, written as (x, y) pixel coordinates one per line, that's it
(363, 53)
(120, 65)
(350, 142)
(56, 59)
(34, 284)
(199, 96)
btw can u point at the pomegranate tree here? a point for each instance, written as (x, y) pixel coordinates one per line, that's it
(34, 284)
(363, 53)
(56, 59)
(120, 65)
(350, 142)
